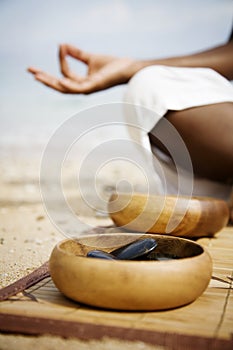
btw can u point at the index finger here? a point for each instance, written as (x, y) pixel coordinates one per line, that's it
(75, 52)
(65, 69)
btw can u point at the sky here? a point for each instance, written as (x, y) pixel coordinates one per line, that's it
(31, 31)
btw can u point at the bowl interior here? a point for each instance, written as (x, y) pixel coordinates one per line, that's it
(179, 247)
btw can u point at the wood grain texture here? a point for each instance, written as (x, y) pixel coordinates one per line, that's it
(207, 323)
(127, 284)
(184, 217)
(25, 282)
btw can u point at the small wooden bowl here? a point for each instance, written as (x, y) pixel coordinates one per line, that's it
(128, 284)
(138, 212)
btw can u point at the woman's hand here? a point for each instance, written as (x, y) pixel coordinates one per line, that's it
(103, 72)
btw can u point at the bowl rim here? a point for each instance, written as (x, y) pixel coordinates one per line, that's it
(173, 197)
(203, 251)
(199, 209)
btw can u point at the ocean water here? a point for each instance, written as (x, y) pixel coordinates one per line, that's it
(28, 121)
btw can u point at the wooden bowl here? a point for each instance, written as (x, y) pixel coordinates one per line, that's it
(130, 284)
(184, 217)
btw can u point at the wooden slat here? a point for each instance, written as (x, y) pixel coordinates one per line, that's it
(209, 318)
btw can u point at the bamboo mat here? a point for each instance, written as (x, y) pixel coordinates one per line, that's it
(206, 323)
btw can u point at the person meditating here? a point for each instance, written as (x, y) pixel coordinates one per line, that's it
(192, 92)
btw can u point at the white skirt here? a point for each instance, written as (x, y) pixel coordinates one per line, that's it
(155, 90)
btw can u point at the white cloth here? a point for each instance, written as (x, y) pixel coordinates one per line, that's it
(162, 88)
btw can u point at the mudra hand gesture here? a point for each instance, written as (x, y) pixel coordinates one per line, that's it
(103, 72)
